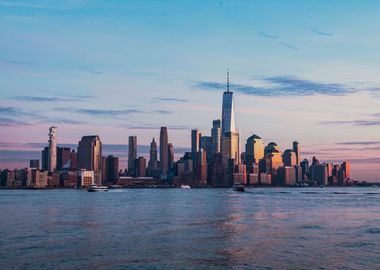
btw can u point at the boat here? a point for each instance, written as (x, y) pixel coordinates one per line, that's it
(239, 188)
(185, 186)
(97, 189)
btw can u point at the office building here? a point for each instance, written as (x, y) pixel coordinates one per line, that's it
(132, 153)
(152, 170)
(254, 151)
(164, 159)
(290, 158)
(170, 156)
(34, 164)
(216, 133)
(297, 151)
(90, 156)
(195, 146)
(140, 167)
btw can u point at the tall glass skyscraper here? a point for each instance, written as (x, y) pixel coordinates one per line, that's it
(230, 137)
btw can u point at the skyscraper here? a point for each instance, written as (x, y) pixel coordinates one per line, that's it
(230, 137)
(228, 110)
(254, 151)
(195, 146)
(297, 150)
(289, 157)
(170, 156)
(132, 153)
(216, 134)
(90, 156)
(153, 161)
(164, 151)
(52, 158)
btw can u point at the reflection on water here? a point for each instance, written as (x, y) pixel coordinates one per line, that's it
(277, 228)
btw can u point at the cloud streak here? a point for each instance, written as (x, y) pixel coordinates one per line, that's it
(321, 33)
(170, 99)
(287, 45)
(266, 35)
(51, 99)
(363, 123)
(283, 86)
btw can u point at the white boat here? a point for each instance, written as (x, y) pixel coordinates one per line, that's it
(97, 189)
(185, 186)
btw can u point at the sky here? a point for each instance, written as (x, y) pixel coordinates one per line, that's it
(299, 70)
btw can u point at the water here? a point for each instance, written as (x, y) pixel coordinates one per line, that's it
(277, 228)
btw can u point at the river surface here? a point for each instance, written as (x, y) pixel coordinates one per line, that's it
(263, 228)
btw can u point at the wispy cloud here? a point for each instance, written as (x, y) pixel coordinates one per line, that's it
(321, 33)
(287, 45)
(9, 122)
(91, 71)
(266, 35)
(366, 123)
(16, 62)
(100, 112)
(282, 86)
(51, 99)
(170, 99)
(358, 143)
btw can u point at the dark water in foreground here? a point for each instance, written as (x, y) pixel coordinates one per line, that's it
(281, 228)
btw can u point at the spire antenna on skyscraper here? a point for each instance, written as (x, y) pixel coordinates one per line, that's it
(228, 80)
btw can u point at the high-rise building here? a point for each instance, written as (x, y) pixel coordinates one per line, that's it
(346, 168)
(273, 160)
(254, 151)
(201, 173)
(63, 158)
(132, 153)
(319, 174)
(206, 145)
(305, 169)
(230, 136)
(164, 152)
(34, 164)
(52, 158)
(195, 146)
(153, 160)
(290, 158)
(230, 148)
(228, 110)
(140, 167)
(90, 156)
(112, 169)
(297, 150)
(45, 158)
(170, 156)
(216, 134)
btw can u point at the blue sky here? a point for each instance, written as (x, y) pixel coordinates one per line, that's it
(300, 70)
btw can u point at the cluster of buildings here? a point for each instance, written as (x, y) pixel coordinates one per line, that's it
(215, 160)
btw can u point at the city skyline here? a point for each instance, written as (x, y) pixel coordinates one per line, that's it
(308, 87)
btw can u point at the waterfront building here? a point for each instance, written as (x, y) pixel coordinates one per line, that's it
(305, 169)
(201, 175)
(90, 156)
(286, 176)
(254, 151)
(140, 167)
(265, 179)
(132, 153)
(195, 146)
(230, 136)
(40, 178)
(319, 174)
(164, 152)
(85, 178)
(216, 133)
(297, 151)
(346, 169)
(290, 158)
(52, 157)
(110, 170)
(273, 160)
(240, 174)
(217, 171)
(152, 170)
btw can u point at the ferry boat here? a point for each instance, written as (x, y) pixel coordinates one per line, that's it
(97, 189)
(239, 188)
(185, 186)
